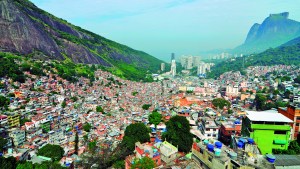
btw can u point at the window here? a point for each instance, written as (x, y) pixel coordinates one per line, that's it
(210, 159)
(201, 151)
(279, 132)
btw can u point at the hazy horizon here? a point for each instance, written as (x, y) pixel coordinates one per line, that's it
(170, 26)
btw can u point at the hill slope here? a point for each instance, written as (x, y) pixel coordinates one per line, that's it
(273, 32)
(288, 54)
(28, 30)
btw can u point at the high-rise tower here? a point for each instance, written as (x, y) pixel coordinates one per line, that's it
(172, 56)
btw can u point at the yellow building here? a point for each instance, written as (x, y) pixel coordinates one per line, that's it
(13, 120)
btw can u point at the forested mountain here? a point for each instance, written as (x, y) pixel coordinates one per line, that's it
(288, 54)
(27, 30)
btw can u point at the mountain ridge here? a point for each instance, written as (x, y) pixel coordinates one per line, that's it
(274, 31)
(286, 54)
(28, 30)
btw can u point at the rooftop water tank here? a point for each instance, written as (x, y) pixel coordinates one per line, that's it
(218, 144)
(240, 144)
(237, 122)
(210, 147)
(271, 158)
(233, 155)
(205, 142)
(242, 140)
(250, 141)
(217, 151)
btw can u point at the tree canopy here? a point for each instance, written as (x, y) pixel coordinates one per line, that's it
(134, 133)
(143, 163)
(99, 109)
(178, 133)
(155, 118)
(220, 103)
(2, 143)
(55, 152)
(87, 127)
(260, 101)
(146, 106)
(4, 101)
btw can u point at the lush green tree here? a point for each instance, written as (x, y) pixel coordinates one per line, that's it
(76, 143)
(55, 152)
(25, 165)
(297, 79)
(8, 163)
(143, 163)
(146, 106)
(281, 104)
(134, 93)
(155, 118)
(287, 93)
(260, 101)
(134, 133)
(74, 98)
(285, 78)
(276, 92)
(48, 165)
(178, 133)
(220, 103)
(63, 104)
(92, 146)
(99, 109)
(119, 164)
(87, 127)
(23, 121)
(2, 143)
(4, 102)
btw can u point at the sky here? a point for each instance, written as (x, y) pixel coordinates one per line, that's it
(162, 27)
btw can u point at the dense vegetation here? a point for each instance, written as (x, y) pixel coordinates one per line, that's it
(9, 68)
(55, 152)
(288, 55)
(155, 118)
(117, 58)
(143, 163)
(220, 103)
(178, 133)
(136, 132)
(12, 163)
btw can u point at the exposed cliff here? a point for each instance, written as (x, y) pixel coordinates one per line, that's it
(28, 30)
(275, 30)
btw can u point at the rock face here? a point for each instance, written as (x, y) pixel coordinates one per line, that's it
(26, 29)
(275, 30)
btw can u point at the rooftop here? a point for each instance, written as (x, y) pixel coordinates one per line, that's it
(269, 115)
(287, 160)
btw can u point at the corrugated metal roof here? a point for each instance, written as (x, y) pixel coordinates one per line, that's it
(269, 115)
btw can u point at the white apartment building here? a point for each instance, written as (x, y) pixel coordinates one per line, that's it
(18, 136)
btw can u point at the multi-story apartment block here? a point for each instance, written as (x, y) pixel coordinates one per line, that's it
(18, 136)
(269, 129)
(13, 119)
(56, 137)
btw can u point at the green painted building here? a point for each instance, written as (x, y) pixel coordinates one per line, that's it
(269, 129)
